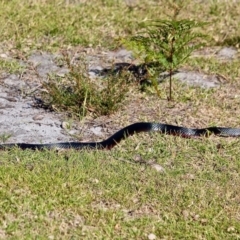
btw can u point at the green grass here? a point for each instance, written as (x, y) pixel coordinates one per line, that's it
(53, 24)
(11, 66)
(109, 194)
(102, 195)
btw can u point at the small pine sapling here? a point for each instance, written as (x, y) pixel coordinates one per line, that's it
(167, 43)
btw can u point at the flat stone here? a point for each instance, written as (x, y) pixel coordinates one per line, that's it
(193, 78)
(227, 53)
(45, 64)
(197, 79)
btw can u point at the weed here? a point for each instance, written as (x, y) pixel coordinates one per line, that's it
(4, 137)
(78, 95)
(11, 66)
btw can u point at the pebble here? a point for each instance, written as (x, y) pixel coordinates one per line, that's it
(151, 236)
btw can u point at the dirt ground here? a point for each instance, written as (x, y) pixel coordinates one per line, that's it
(22, 121)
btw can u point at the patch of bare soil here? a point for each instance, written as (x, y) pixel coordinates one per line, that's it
(24, 122)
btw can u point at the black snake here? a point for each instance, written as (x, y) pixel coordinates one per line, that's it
(127, 131)
(140, 72)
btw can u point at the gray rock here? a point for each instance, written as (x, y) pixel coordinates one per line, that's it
(192, 78)
(227, 53)
(45, 64)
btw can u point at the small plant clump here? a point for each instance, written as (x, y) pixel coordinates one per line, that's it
(166, 42)
(78, 95)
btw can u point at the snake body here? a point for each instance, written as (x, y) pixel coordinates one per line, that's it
(127, 131)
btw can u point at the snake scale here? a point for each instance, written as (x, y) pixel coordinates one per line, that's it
(127, 131)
